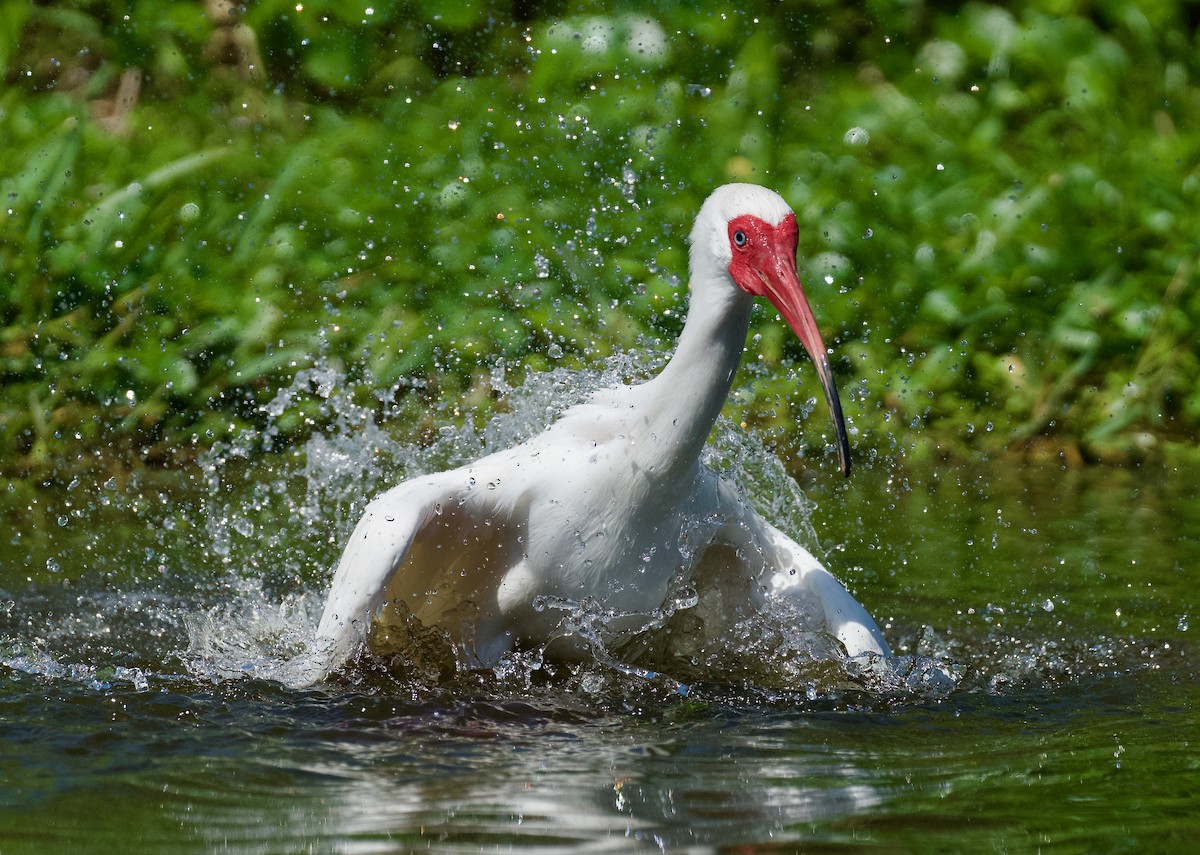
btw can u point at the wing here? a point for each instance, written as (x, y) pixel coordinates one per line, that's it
(748, 548)
(793, 570)
(435, 550)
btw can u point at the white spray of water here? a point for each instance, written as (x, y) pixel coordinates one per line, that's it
(280, 540)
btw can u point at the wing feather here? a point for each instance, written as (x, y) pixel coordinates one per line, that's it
(435, 549)
(779, 567)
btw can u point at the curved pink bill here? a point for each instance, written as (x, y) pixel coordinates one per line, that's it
(788, 297)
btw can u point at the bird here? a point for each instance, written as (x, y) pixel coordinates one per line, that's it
(611, 504)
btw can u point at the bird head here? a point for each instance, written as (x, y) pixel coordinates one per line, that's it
(751, 233)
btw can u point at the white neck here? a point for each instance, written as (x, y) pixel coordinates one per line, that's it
(682, 403)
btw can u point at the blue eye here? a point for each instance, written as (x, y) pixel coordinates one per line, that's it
(739, 237)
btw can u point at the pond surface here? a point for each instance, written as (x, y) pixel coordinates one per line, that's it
(142, 621)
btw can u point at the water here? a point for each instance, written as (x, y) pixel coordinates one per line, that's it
(1048, 694)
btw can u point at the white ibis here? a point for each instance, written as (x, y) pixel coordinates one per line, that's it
(610, 505)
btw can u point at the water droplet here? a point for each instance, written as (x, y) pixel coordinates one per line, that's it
(857, 136)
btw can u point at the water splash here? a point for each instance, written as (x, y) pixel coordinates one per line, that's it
(40, 663)
(277, 533)
(233, 575)
(227, 580)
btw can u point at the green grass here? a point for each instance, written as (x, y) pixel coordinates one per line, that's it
(998, 213)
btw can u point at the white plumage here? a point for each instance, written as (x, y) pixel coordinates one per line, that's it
(611, 503)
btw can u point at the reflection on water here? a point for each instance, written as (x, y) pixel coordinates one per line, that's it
(144, 623)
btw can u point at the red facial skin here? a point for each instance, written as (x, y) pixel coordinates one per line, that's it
(764, 265)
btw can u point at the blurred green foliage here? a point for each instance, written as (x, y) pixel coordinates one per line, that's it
(998, 210)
